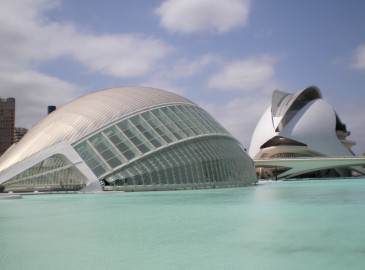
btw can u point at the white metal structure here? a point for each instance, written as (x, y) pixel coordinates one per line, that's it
(132, 138)
(301, 125)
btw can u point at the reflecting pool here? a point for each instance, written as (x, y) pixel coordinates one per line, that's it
(273, 225)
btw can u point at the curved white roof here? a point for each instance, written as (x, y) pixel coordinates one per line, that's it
(282, 101)
(263, 132)
(313, 123)
(84, 115)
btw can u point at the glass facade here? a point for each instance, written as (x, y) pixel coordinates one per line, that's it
(202, 162)
(169, 145)
(126, 138)
(55, 173)
(292, 155)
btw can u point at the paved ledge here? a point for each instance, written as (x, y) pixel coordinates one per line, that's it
(10, 196)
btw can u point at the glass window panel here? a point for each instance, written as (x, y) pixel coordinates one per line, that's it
(179, 124)
(140, 145)
(184, 128)
(155, 178)
(147, 179)
(85, 151)
(156, 143)
(129, 133)
(124, 125)
(123, 147)
(177, 175)
(114, 135)
(143, 148)
(129, 154)
(147, 116)
(115, 139)
(158, 113)
(135, 120)
(163, 177)
(122, 144)
(203, 122)
(141, 137)
(93, 162)
(96, 165)
(109, 131)
(174, 109)
(214, 174)
(184, 118)
(197, 122)
(99, 170)
(108, 154)
(193, 174)
(161, 130)
(133, 135)
(175, 131)
(149, 134)
(113, 161)
(106, 150)
(94, 140)
(164, 119)
(165, 110)
(90, 153)
(170, 176)
(138, 180)
(101, 147)
(143, 131)
(183, 176)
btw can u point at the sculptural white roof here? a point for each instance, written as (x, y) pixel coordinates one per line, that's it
(130, 138)
(302, 124)
(84, 115)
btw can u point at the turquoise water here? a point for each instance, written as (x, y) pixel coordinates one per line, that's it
(274, 225)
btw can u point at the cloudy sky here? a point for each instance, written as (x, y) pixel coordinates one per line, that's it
(226, 55)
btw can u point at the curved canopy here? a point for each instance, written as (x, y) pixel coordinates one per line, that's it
(84, 115)
(283, 103)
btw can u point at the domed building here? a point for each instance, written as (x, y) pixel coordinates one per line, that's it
(304, 131)
(131, 138)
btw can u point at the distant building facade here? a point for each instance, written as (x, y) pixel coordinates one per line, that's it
(19, 133)
(51, 108)
(7, 123)
(302, 126)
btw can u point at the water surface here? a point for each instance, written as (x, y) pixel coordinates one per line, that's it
(274, 225)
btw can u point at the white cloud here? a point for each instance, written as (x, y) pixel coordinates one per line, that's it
(193, 16)
(29, 39)
(187, 67)
(120, 55)
(246, 75)
(33, 92)
(167, 77)
(184, 67)
(358, 60)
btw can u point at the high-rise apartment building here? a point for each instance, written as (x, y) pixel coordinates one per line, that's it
(7, 123)
(19, 133)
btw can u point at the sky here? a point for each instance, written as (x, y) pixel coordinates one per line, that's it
(228, 56)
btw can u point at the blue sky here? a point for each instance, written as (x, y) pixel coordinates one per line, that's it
(226, 55)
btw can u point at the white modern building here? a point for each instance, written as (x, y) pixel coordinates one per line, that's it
(131, 138)
(302, 127)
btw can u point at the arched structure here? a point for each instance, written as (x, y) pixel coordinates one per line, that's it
(301, 125)
(131, 138)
